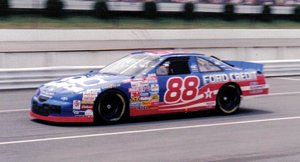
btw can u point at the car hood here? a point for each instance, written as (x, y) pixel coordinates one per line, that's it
(80, 83)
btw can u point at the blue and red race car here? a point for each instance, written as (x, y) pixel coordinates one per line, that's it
(147, 83)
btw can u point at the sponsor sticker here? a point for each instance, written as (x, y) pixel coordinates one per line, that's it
(134, 85)
(155, 98)
(256, 85)
(130, 90)
(84, 102)
(153, 93)
(145, 87)
(85, 98)
(87, 106)
(135, 94)
(143, 108)
(257, 91)
(211, 103)
(135, 99)
(146, 103)
(145, 94)
(135, 104)
(145, 98)
(76, 112)
(152, 78)
(219, 78)
(76, 104)
(154, 87)
(90, 95)
(89, 113)
(243, 76)
(194, 68)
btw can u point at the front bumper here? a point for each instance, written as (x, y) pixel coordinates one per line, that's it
(63, 119)
(57, 111)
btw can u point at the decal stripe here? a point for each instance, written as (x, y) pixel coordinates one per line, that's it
(248, 88)
(199, 105)
(62, 119)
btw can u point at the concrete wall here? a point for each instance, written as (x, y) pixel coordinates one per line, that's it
(44, 48)
(98, 58)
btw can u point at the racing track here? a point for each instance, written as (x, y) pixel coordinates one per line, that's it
(266, 129)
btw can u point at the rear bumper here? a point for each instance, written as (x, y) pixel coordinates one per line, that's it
(62, 119)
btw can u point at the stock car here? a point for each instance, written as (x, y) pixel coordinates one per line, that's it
(148, 83)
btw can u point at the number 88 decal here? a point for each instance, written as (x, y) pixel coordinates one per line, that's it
(179, 89)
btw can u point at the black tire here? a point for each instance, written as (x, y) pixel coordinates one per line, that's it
(228, 99)
(111, 107)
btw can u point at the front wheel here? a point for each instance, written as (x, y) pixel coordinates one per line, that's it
(110, 107)
(228, 99)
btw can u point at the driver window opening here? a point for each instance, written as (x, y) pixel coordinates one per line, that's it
(174, 66)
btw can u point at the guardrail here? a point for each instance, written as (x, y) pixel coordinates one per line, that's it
(274, 68)
(34, 77)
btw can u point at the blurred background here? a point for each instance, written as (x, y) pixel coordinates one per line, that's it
(149, 14)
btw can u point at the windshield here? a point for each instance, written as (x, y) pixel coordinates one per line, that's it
(132, 65)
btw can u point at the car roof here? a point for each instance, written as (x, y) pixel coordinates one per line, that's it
(168, 53)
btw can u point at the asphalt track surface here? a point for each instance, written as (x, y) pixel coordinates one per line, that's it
(266, 129)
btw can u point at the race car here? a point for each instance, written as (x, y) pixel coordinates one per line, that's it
(148, 83)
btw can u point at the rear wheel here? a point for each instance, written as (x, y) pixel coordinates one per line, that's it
(110, 107)
(228, 99)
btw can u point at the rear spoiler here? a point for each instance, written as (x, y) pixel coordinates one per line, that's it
(246, 65)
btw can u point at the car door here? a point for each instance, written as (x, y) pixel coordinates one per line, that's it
(179, 81)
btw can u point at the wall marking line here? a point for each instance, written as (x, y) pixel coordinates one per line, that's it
(148, 130)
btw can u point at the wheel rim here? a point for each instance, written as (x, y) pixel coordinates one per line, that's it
(229, 99)
(112, 107)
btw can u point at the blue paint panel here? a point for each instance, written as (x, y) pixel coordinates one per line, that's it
(246, 65)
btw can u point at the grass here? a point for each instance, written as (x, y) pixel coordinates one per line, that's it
(88, 22)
